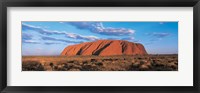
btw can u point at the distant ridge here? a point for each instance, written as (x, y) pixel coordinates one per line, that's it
(105, 48)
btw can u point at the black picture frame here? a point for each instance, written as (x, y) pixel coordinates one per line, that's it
(100, 3)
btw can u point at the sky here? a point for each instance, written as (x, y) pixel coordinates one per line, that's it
(50, 38)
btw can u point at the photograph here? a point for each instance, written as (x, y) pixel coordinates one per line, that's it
(99, 45)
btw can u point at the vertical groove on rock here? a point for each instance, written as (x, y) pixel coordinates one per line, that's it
(99, 50)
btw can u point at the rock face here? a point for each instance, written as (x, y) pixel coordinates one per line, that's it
(105, 48)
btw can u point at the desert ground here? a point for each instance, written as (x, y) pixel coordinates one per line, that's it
(101, 63)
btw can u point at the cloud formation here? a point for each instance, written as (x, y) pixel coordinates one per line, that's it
(76, 36)
(28, 38)
(56, 39)
(128, 38)
(158, 35)
(48, 32)
(131, 39)
(30, 41)
(97, 27)
(50, 43)
(36, 28)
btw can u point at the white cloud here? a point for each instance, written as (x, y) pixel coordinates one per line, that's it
(97, 27)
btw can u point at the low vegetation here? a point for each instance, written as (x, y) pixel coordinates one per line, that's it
(100, 63)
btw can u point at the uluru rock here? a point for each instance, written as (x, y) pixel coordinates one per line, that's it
(105, 48)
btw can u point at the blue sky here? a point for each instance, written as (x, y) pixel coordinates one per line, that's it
(50, 38)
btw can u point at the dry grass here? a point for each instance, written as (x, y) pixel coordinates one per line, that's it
(99, 63)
